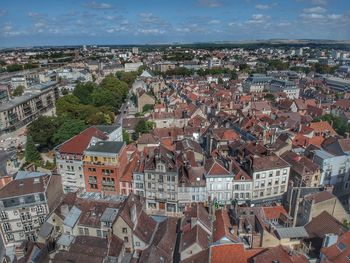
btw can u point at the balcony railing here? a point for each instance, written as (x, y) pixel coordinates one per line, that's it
(110, 183)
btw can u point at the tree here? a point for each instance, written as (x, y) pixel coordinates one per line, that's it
(42, 130)
(111, 92)
(269, 97)
(126, 137)
(234, 75)
(68, 129)
(83, 92)
(147, 107)
(14, 67)
(144, 126)
(32, 154)
(67, 105)
(18, 91)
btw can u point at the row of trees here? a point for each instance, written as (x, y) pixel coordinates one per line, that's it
(18, 67)
(90, 104)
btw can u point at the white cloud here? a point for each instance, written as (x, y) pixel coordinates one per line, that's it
(312, 16)
(209, 3)
(334, 16)
(262, 7)
(316, 9)
(284, 24)
(95, 5)
(319, 2)
(214, 22)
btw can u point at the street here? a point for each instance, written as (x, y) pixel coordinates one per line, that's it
(4, 156)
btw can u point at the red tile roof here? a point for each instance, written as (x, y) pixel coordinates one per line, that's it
(80, 142)
(232, 253)
(222, 227)
(274, 212)
(339, 252)
(280, 254)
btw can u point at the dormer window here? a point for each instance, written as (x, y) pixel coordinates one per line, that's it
(160, 167)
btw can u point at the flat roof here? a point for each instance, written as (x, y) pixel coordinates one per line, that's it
(106, 147)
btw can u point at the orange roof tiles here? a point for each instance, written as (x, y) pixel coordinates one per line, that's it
(274, 212)
(78, 143)
(322, 126)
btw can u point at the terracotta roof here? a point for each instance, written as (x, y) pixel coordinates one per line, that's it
(324, 224)
(215, 167)
(232, 253)
(79, 143)
(25, 186)
(201, 257)
(196, 235)
(339, 252)
(222, 227)
(280, 254)
(274, 212)
(322, 126)
(269, 162)
(320, 197)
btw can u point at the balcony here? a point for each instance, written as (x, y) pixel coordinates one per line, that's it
(109, 183)
(92, 181)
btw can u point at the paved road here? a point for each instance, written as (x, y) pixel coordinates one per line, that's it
(4, 156)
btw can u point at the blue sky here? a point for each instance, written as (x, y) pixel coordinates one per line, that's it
(67, 22)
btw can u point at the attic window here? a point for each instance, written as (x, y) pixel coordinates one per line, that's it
(242, 177)
(341, 246)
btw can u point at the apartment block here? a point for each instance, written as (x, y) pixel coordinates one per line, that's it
(25, 203)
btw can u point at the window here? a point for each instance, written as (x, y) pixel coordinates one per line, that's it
(269, 183)
(86, 231)
(39, 209)
(3, 215)
(81, 231)
(126, 239)
(256, 184)
(99, 233)
(284, 171)
(125, 230)
(263, 175)
(137, 244)
(257, 176)
(9, 237)
(6, 226)
(41, 219)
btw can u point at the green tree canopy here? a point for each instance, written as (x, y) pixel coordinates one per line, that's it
(41, 131)
(144, 126)
(32, 154)
(83, 92)
(126, 137)
(18, 91)
(147, 107)
(67, 130)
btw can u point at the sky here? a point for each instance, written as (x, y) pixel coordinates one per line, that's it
(78, 22)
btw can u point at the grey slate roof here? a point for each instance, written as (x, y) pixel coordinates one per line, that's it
(72, 217)
(45, 230)
(106, 147)
(292, 232)
(65, 240)
(109, 215)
